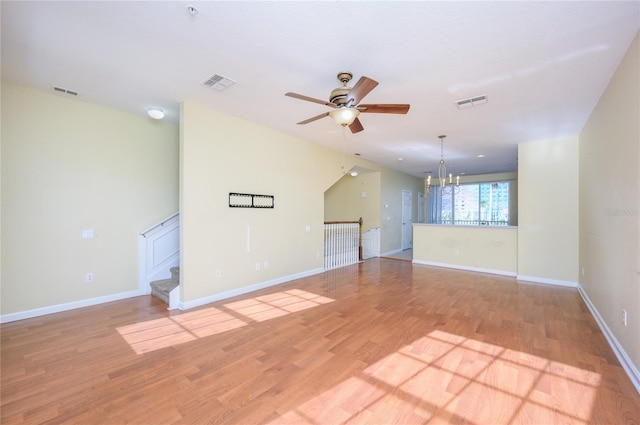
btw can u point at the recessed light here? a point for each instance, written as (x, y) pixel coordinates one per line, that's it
(480, 156)
(354, 174)
(400, 159)
(192, 10)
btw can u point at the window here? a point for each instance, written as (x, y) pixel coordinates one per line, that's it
(484, 204)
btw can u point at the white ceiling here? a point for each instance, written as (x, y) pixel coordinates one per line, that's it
(543, 65)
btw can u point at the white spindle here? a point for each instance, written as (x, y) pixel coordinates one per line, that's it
(341, 244)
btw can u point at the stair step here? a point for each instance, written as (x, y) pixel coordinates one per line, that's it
(161, 288)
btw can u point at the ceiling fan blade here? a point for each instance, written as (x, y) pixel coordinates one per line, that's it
(309, 99)
(381, 108)
(360, 90)
(317, 117)
(356, 126)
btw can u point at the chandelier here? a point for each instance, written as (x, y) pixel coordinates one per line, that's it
(442, 174)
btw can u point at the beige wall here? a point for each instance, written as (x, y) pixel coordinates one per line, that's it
(382, 206)
(610, 204)
(222, 154)
(345, 201)
(480, 248)
(548, 211)
(392, 184)
(68, 165)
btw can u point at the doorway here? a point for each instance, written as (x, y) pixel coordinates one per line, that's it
(407, 230)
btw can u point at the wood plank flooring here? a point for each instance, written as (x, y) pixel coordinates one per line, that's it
(381, 342)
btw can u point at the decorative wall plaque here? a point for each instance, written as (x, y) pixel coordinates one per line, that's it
(249, 200)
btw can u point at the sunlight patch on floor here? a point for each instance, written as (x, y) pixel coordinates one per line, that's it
(437, 377)
(278, 304)
(169, 331)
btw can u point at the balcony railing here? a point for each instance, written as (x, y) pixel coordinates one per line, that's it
(474, 222)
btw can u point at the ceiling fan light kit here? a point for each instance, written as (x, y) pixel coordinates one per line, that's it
(345, 102)
(344, 116)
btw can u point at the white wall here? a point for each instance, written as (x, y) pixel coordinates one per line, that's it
(68, 165)
(610, 204)
(548, 211)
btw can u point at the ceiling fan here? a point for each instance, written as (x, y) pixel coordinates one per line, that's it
(346, 105)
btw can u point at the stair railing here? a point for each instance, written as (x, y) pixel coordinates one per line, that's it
(342, 243)
(158, 251)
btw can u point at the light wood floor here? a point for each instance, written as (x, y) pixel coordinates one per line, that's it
(378, 343)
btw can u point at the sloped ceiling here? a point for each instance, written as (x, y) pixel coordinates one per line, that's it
(543, 66)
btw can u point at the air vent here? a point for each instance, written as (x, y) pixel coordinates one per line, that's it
(219, 82)
(472, 101)
(64, 91)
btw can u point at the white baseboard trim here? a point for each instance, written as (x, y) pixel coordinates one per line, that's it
(36, 312)
(547, 281)
(623, 358)
(186, 305)
(466, 268)
(392, 252)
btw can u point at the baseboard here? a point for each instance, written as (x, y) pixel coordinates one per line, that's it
(245, 290)
(466, 268)
(556, 282)
(27, 314)
(392, 252)
(623, 358)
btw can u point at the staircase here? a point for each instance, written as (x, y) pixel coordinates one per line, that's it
(161, 288)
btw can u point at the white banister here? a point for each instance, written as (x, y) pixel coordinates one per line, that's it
(341, 244)
(160, 225)
(158, 250)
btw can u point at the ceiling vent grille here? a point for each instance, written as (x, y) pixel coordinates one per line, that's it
(219, 82)
(61, 90)
(472, 101)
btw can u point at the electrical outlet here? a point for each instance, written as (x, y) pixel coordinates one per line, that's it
(624, 317)
(218, 274)
(257, 266)
(266, 264)
(88, 277)
(456, 252)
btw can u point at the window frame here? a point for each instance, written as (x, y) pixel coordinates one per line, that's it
(436, 201)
